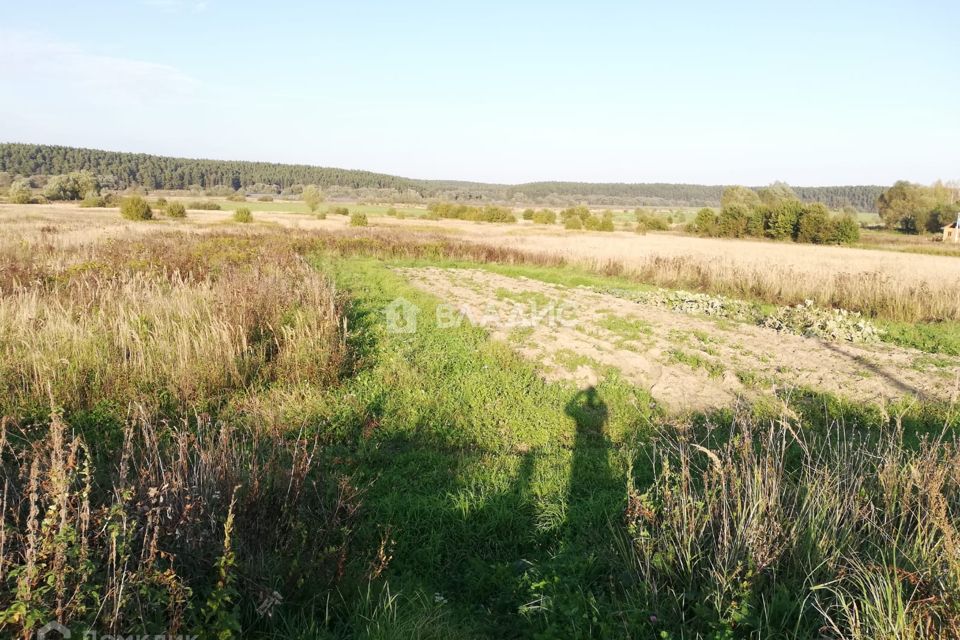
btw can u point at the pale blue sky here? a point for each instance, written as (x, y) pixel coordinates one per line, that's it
(809, 92)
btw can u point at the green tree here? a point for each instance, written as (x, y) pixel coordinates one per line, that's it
(739, 195)
(733, 221)
(705, 224)
(72, 186)
(776, 193)
(19, 192)
(781, 223)
(906, 206)
(814, 224)
(312, 197)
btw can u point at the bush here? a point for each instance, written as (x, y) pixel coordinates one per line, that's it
(321, 215)
(528, 214)
(312, 197)
(647, 221)
(544, 216)
(176, 210)
(358, 219)
(20, 193)
(72, 186)
(242, 214)
(203, 205)
(402, 216)
(573, 223)
(814, 224)
(392, 212)
(265, 199)
(845, 230)
(237, 197)
(135, 208)
(340, 211)
(781, 220)
(160, 203)
(733, 221)
(94, 201)
(705, 224)
(606, 223)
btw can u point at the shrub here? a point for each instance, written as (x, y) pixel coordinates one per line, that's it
(321, 215)
(203, 205)
(265, 199)
(647, 221)
(431, 215)
(402, 216)
(237, 197)
(312, 197)
(94, 201)
(176, 210)
(733, 221)
(606, 223)
(579, 212)
(20, 193)
(705, 224)
(545, 216)
(392, 212)
(160, 203)
(814, 224)
(528, 214)
(573, 223)
(135, 208)
(72, 186)
(845, 230)
(242, 214)
(591, 223)
(340, 211)
(781, 220)
(358, 219)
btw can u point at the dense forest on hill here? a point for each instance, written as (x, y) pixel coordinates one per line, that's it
(122, 170)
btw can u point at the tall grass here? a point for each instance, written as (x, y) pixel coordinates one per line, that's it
(782, 534)
(187, 528)
(171, 332)
(137, 494)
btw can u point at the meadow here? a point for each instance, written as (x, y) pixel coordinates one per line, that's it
(216, 428)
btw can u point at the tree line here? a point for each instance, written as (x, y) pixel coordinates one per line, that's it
(119, 170)
(777, 213)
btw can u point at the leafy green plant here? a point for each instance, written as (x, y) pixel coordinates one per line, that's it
(135, 208)
(176, 210)
(358, 219)
(242, 214)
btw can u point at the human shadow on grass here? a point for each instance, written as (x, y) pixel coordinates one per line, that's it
(468, 525)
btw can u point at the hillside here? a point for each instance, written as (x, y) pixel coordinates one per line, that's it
(124, 170)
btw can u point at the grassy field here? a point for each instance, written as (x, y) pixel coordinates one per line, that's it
(218, 429)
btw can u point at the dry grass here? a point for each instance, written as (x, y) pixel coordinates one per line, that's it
(862, 535)
(172, 323)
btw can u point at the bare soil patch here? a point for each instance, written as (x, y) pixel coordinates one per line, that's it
(686, 362)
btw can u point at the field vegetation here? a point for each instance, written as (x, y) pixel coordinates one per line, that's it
(212, 429)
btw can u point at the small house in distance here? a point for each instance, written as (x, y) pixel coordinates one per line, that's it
(951, 232)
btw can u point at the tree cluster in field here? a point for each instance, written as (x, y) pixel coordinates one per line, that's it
(774, 213)
(119, 171)
(579, 217)
(647, 221)
(543, 216)
(914, 208)
(488, 213)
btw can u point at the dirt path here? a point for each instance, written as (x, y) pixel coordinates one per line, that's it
(686, 362)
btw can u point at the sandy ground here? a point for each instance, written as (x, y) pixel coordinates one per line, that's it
(686, 362)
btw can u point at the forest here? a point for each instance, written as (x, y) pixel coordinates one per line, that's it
(124, 170)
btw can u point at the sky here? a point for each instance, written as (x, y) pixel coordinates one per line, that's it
(811, 93)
